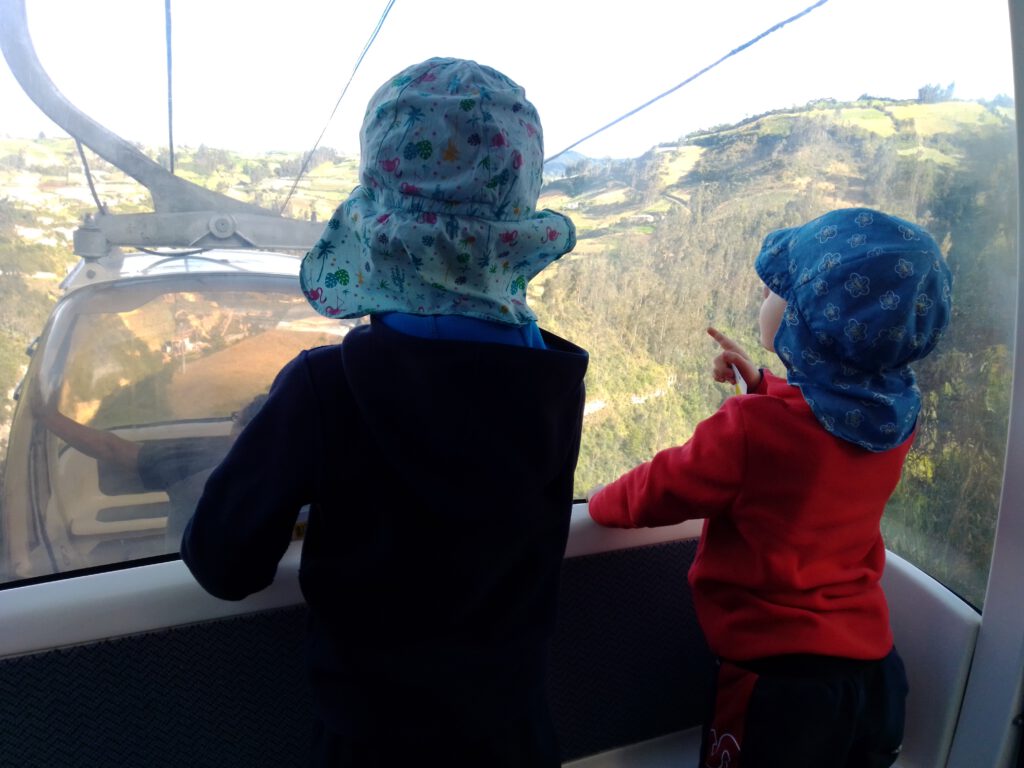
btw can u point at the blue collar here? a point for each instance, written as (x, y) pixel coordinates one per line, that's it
(461, 328)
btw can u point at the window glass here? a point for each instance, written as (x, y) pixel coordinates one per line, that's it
(139, 392)
(667, 242)
(182, 356)
(641, 300)
(830, 108)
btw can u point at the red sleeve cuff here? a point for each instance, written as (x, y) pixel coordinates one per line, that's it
(605, 511)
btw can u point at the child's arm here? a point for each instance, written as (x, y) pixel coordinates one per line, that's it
(694, 480)
(95, 443)
(244, 520)
(733, 354)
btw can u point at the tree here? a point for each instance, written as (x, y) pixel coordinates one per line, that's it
(932, 93)
(256, 171)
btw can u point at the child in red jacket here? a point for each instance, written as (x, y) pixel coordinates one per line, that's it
(792, 480)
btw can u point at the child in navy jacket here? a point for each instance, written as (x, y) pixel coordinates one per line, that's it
(792, 479)
(436, 445)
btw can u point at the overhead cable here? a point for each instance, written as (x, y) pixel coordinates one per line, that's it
(88, 177)
(690, 79)
(170, 90)
(366, 48)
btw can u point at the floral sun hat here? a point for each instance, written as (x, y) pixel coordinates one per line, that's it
(867, 295)
(444, 220)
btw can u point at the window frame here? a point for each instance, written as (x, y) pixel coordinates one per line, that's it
(132, 599)
(986, 734)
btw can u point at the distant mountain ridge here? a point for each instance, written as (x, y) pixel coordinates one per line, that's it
(606, 195)
(555, 169)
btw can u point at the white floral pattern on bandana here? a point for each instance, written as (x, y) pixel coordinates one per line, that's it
(444, 221)
(867, 294)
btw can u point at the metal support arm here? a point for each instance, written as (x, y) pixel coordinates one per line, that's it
(99, 234)
(187, 215)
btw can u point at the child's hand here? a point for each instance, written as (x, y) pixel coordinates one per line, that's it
(733, 354)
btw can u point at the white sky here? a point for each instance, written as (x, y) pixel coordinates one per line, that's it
(264, 75)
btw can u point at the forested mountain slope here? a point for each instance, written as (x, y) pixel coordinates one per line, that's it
(666, 247)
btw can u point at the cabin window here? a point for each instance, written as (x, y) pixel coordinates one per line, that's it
(799, 123)
(138, 391)
(184, 355)
(667, 242)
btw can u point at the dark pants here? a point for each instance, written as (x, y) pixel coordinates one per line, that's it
(806, 711)
(526, 741)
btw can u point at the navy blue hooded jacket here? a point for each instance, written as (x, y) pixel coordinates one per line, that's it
(440, 478)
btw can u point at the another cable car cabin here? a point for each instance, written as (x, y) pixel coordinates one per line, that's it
(177, 317)
(152, 349)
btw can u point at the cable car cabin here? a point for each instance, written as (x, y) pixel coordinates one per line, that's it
(178, 309)
(159, 351)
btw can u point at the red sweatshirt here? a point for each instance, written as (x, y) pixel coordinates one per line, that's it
(791, 553)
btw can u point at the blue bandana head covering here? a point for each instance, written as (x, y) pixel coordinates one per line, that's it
(444, 219)
(867, 295)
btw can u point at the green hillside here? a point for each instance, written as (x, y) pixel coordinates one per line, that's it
(666, 243)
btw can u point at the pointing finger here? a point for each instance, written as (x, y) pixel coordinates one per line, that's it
(724, 341)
